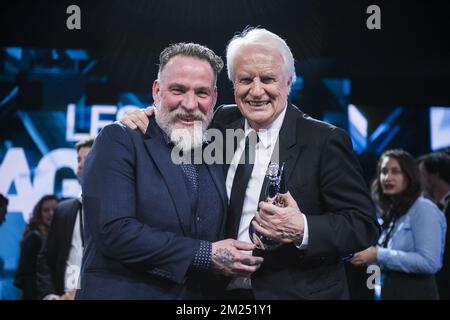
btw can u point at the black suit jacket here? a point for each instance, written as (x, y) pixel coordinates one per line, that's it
(324, 177)
(25, 277)
(51, 265)
(443, 276)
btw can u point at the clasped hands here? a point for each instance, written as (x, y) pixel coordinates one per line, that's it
(280, 224)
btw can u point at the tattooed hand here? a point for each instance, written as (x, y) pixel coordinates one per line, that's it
(228, 260)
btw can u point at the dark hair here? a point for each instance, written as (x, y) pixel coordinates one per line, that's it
(3, 201)
(84, 143)
(3, 208)
(437, 163)
(36, 221)
(393, 207)
(191, 50)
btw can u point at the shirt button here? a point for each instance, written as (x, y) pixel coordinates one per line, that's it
(198, 219)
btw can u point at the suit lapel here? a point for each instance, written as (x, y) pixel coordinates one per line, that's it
(290, 143)
(238, 124)
(217, 176)
(70, 218)
(289, 147)
(171, 174)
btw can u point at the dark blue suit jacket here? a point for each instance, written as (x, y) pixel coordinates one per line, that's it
(138, 221)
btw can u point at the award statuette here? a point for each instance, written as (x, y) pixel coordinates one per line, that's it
(276, 185)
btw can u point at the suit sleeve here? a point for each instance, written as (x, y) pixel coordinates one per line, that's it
(347, 224)
(109, 200)
(46, 262)
(26, 276)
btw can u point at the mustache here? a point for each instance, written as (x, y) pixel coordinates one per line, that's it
(181, 114)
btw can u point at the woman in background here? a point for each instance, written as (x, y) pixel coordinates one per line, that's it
(411, 246)
(33, 238)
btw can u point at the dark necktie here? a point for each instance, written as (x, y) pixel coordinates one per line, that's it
(240, 182)
(190, 171)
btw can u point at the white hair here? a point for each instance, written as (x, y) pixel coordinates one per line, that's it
(263, 38)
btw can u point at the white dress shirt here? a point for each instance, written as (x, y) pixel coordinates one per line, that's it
(263, 153)
(73, 262)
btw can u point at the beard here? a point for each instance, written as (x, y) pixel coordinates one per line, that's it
(185, 138)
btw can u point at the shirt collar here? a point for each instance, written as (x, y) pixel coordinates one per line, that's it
(166, 138)
(268, 135)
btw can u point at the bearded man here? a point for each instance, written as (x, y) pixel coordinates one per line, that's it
(152, 226)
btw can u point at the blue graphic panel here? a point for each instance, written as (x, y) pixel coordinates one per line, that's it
(440, 127)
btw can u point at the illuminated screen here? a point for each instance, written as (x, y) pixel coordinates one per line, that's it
(439, 127)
